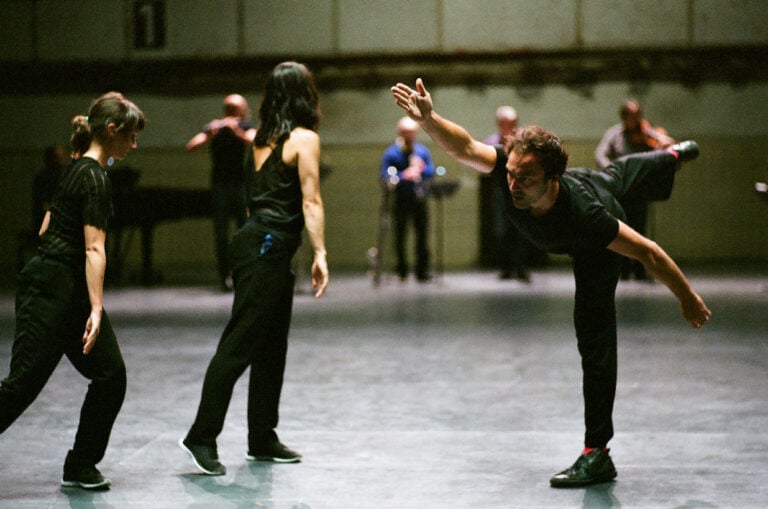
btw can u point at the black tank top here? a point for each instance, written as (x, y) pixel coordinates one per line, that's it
(274, 193)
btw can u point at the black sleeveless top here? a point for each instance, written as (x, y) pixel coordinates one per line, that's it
(274, 193)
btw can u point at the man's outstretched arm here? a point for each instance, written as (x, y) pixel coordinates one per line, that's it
(449, 136)
(656, 261)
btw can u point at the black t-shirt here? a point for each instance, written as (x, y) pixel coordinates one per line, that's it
(583, 218)
(227, 154)
(274, 193)
(84, 197)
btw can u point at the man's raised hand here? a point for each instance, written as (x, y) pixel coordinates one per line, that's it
(417, 104)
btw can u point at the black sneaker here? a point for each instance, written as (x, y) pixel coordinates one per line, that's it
(88, 478)
(204, 457)
(593, 468)
(273, 451)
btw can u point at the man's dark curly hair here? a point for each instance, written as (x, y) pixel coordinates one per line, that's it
(546, 145)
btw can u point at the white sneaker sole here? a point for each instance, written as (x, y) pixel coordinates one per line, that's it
(194, 460)
(106, 483)
(272, 459)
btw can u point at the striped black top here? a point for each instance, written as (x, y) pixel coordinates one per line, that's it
(84, 197)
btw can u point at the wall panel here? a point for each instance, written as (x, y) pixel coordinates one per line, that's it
(489, 25)
(290, 27)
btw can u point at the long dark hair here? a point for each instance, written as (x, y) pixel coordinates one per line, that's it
(111, 107)
(290, 101)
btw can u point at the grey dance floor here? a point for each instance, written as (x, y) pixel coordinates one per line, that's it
(463, 393)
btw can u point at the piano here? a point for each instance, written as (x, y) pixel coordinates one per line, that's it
(143, 208)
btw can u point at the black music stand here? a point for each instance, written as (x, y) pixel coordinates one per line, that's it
(762, 190)
(441, 188)
(376, 254)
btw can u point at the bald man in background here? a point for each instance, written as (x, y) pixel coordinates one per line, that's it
(407, 168)
(514, 249)
(227, 138)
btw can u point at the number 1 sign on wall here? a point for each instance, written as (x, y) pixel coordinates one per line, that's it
(148, 24)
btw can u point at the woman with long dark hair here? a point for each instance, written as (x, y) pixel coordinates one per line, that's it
(59, 301)
(283, 181)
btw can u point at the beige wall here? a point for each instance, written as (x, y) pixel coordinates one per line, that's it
(225, 28)
(714, 213)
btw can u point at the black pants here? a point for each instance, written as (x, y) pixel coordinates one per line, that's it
(635, 199)
(648, 175)
(411, 208)
(514, 248)
(228, 200)
(256, 337)
(52, 308)
(637, 218)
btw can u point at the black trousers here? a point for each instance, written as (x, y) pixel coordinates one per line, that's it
(514, 248)
(649, 175)
(637, 218)
(256, 336)
(228, 201)
(414, 209)
(52, 308)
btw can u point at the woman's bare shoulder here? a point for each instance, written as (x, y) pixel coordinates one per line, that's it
(303, 135)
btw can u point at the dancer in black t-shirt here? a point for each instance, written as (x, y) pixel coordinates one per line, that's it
(576, 211)
(59, 302)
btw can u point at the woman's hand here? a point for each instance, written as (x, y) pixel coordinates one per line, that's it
(92, 329)
(319, 274)
(695, 311)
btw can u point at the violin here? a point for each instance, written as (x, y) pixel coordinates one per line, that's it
(653, 137)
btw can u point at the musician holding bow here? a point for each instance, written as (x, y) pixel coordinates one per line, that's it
(633, 134)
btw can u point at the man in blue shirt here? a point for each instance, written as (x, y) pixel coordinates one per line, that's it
(407, 168)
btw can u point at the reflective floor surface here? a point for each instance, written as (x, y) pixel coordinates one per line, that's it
(461, 393)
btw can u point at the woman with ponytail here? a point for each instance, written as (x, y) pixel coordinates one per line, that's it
(59, 301)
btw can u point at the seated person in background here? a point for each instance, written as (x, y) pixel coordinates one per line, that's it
(514, 249)
(632, 135)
